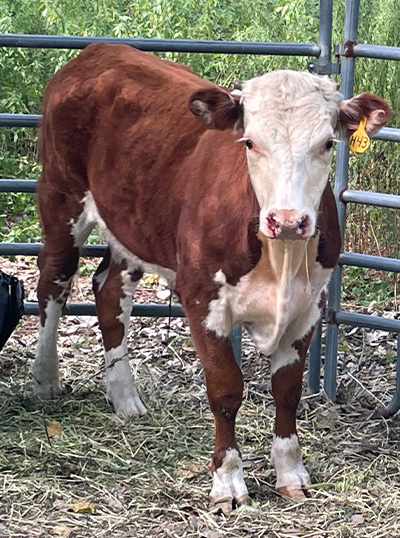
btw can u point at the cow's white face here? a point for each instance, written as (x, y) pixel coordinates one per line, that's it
(290, 120)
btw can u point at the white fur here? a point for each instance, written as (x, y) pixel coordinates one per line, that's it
(121, 391)
(81, 228)
(228, 481)
(286, 458)
(277, 309)
(46, 383)
(289, 116)
(100, 278)
(120, 388)
(219, 318)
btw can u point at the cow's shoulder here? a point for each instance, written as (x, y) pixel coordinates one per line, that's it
(219, 215)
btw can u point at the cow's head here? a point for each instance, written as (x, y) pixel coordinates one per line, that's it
(290, 122)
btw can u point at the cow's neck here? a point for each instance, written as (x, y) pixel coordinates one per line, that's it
(288, 259)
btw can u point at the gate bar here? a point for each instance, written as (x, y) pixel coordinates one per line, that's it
(379, 52)
(366, 320)
(32, 249)
(353, 259)
(89, 309)
(162, 45)
(391, 134)
(370, 198)
(380, 263)
(20, 120)
(18, 185)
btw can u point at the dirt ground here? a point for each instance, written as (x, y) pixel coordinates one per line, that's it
(72, 468)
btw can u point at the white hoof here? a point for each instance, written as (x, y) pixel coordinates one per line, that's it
(47, 391)
(291, 475)
(228, 483)
(130, 407)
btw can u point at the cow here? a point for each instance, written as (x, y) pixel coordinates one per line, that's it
(223, 193)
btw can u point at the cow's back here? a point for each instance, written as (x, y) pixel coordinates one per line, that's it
(116, 123)
(94, 105)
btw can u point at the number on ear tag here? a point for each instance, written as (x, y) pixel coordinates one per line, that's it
(359, 141)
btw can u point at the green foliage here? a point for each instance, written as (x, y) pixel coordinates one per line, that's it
(365, 287)
(25, 73)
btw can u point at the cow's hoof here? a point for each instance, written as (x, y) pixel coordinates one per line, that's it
(227, 504)
(296, 493)
(131, 407)
(46, 391)
(224, 505)
(229, 488)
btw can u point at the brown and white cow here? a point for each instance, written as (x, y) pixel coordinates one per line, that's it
(224, 194)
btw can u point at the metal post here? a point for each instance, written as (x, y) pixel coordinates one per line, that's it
(325, 33)
(341, 182)
(314, 360)
(322, 65)
(236, 340)
(394, 404)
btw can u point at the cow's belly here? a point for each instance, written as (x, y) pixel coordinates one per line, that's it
(272, 312)
(90, 216)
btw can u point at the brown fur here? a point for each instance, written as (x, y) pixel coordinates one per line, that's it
(121, 124)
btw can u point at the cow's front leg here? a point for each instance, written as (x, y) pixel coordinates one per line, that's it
(224, 382)
(287, 365)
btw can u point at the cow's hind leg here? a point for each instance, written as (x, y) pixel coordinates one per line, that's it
(58, 262)
(114, 286)
(224, 382)
(287, 366)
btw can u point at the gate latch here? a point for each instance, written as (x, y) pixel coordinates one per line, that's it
(328, 68)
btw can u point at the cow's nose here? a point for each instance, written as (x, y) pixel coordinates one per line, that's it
(288, 224)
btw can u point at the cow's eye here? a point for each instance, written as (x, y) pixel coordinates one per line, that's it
(328, 145)
(249, 144)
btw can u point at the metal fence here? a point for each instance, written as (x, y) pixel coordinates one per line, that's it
(321, 52)
(334, 315)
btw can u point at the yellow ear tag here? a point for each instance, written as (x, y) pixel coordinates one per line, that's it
(359, 141)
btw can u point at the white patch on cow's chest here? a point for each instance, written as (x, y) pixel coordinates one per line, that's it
(278, 298)
(90, 216)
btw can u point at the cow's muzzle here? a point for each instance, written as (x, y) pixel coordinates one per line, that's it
(288, 224)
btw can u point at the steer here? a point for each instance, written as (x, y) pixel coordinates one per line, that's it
(225, 194)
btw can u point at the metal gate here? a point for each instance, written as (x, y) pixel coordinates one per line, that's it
(344, 58)
(334, 316)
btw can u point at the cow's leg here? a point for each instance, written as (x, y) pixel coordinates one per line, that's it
(114, 286)
(287, 365)
(58, 262)
(224, 382)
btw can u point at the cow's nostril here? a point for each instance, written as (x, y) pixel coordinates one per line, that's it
(304, 221)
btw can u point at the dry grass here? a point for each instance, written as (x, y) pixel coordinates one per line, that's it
(149, 478)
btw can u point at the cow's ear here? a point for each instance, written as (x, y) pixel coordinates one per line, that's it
(217, 108)
(365, 105)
